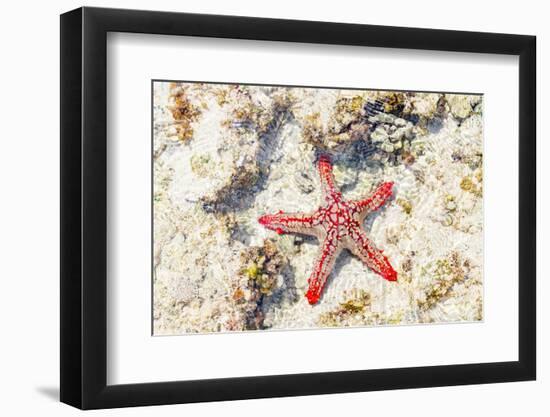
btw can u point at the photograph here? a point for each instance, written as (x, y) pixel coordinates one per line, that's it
(270, 209)
(299, 207)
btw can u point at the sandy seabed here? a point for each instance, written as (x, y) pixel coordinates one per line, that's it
(224, 155)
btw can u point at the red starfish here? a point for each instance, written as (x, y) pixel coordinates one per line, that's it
(338, 225)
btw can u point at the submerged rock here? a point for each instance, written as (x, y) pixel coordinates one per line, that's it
(462, 106)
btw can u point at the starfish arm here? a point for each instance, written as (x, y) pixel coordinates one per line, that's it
(323, 266)
(288, 223)
(328, 186)
(362, 247)
(375, 201)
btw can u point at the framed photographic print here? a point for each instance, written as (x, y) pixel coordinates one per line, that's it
(256, 207)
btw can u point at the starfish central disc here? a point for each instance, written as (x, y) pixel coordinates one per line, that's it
(338, 225)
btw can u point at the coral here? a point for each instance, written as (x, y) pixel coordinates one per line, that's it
(259, 277)
(473, 184)
(461, 106)
(405, 205)
(343, 126)
(450, 203)
(183, 111)
(394, 102)
(355, 306)
(387, 122)
(201, 165)
(447, 273)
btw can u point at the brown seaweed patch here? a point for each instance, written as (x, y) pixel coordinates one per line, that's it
(406, 205)
(473, 184)
(394, 102)
(183, 111)
(447, 273)
(356, 303)
(312, 129)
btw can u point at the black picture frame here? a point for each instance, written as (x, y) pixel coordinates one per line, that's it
(84, 207)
